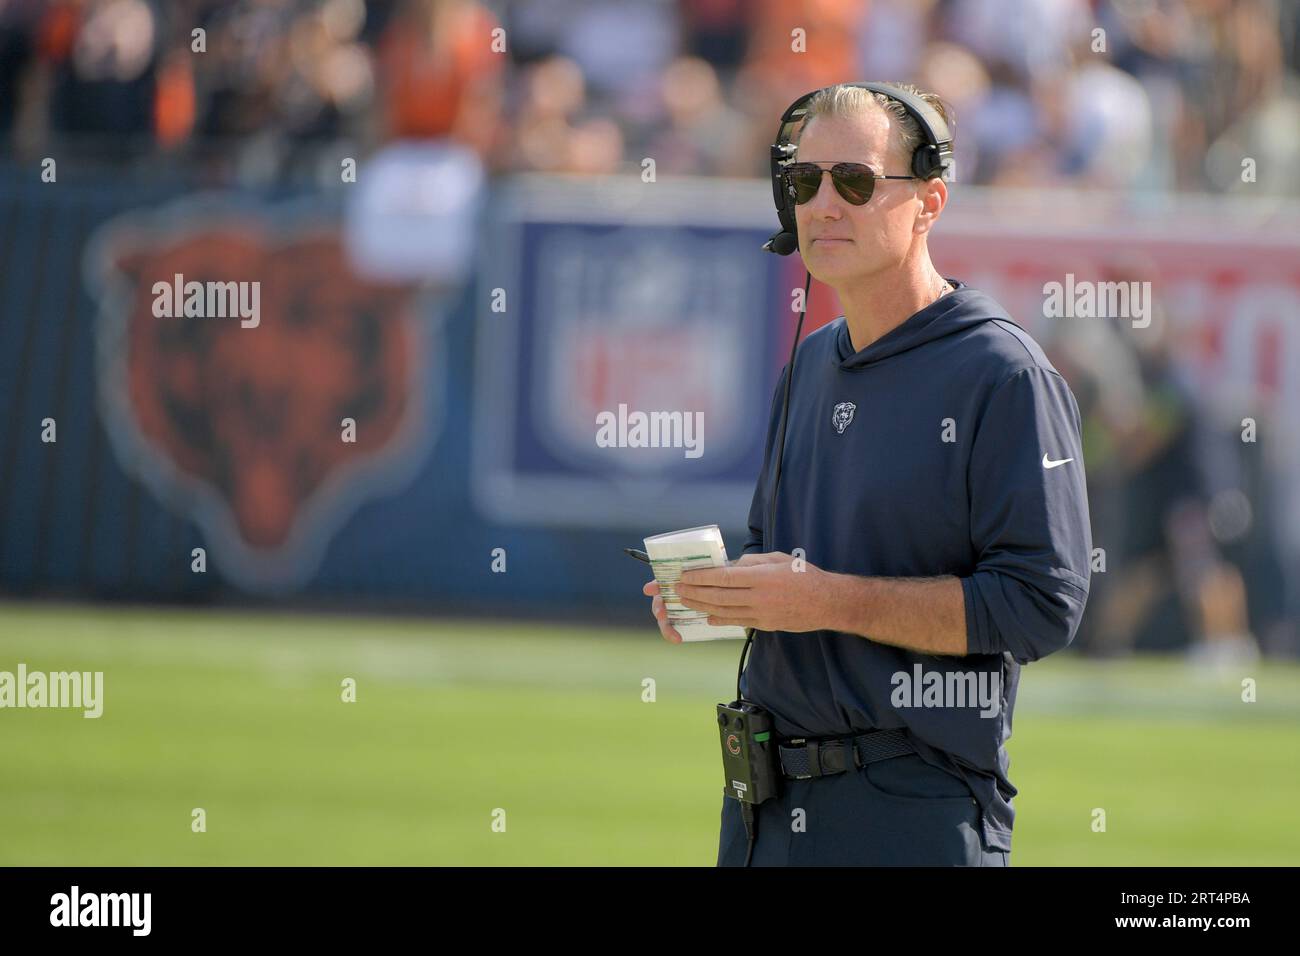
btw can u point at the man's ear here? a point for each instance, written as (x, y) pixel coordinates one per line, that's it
(933, 194)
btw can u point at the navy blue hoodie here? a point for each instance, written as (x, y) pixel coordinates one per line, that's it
(935, 450)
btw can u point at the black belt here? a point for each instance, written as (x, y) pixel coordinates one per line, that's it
(803, 758)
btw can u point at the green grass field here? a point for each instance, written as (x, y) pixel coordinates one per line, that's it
(241, 715)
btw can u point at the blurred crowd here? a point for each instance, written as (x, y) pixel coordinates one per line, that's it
(1144, 94)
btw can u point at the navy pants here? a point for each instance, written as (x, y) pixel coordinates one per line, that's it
(895, 812)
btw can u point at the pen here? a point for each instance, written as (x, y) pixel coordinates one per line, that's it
(639, 555)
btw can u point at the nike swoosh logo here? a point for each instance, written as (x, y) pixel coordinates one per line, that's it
(1048, 463)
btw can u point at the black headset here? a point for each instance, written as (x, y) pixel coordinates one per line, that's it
(932, 158)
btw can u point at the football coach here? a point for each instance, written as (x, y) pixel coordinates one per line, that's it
(930, 530)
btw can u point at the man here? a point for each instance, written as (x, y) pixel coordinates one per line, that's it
(931, 531)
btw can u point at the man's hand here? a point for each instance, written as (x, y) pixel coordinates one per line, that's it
(769, 592)
(660, 612)
(776, 592)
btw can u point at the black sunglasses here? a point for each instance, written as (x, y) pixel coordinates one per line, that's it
(854, 181)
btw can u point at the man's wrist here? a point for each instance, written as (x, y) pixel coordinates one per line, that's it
(925, 614)
(844, 594)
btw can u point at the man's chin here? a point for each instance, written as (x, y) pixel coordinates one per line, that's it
(824, 269)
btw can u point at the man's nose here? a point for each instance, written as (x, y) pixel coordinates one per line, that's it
(827, 197)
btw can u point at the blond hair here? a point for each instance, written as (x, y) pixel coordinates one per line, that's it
(843, 99)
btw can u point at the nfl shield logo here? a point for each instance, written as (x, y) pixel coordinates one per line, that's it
(642, 340)
(842, 415)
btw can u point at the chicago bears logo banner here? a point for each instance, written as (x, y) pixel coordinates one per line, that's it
(252, 381)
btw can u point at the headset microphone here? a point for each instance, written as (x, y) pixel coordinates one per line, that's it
(782, 243)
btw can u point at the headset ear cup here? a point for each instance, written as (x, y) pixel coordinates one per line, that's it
(923, 161)
(786, 213)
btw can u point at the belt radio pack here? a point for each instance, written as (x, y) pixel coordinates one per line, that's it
(750, 766)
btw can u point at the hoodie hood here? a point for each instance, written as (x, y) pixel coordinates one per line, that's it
(960, 309)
